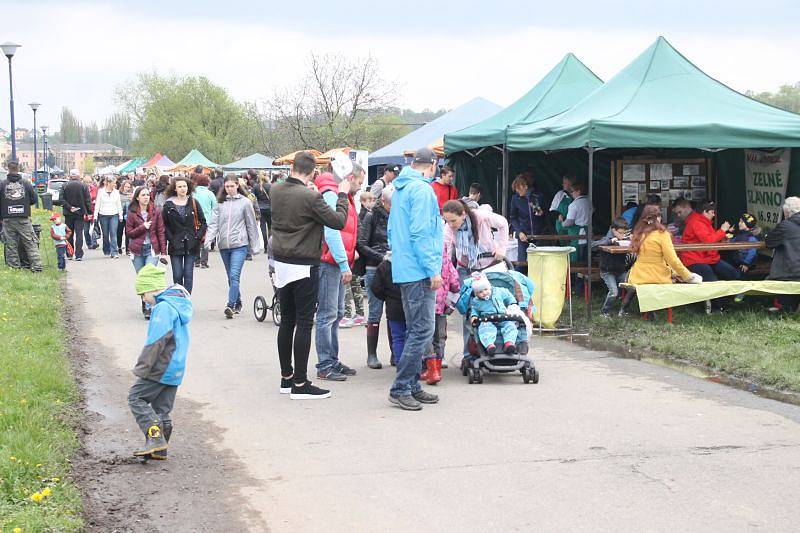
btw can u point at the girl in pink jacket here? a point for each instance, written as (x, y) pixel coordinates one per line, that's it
(444, 306)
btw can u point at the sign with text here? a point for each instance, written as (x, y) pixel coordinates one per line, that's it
(766, 174)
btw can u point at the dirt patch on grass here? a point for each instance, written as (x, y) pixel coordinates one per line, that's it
(199, 488)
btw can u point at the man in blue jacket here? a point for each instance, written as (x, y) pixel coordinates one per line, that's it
(416, 240)
(162, 363)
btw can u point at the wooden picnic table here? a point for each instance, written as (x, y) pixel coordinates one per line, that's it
(561, 237)
(695, 247)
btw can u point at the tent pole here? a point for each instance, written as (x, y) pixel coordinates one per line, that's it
(589, 237)
(504, 200)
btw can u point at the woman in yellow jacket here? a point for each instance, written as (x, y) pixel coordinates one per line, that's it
(656, 259)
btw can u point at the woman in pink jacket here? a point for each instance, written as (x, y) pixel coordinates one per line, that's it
(478, 239)
(444, 306)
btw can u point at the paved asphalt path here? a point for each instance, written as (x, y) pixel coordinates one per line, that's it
(600, 444)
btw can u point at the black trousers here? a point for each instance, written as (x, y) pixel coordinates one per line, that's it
(298, 302)
(75, 225)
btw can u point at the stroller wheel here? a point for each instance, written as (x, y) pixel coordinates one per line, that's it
(527, 375)
(535, 377)
(464, 367)
(475, 376)
(276, 311)
(260, 308)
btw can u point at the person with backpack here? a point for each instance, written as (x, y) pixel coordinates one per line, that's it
(17, 195)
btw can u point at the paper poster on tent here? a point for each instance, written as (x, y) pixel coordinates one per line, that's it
(766, 174)
(630, 193)
(633, 172)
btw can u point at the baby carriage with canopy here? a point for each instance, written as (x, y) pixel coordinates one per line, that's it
(479, 359)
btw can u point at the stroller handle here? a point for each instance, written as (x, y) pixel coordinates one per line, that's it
(502, 318)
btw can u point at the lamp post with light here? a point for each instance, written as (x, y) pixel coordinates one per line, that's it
(35, 106)
(9, 49)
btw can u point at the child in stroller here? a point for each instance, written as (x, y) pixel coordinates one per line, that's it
(490, 302)
(506, 315)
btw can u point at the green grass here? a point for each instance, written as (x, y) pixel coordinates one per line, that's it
(38, 398)
(746, 341)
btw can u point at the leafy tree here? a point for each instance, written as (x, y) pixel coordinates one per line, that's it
(88, 165)
(787, 97)
(91, 133)
(175, 114)
(117, 130)
(70, 127)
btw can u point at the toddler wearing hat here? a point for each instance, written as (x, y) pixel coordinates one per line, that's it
(59, 232)
(488, 301)
(162, 363)
(746, 231)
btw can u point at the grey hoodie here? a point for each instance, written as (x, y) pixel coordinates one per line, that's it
(233, 224)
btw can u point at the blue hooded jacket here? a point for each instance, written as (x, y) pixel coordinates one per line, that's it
(163, 358)
(416, 231)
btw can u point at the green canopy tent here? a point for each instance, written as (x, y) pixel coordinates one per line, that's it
(664, 102)
(192, 159)
(132, 165)
(567, 83)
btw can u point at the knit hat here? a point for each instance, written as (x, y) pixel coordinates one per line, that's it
(480, 282)
(150, 278)
(749, 220)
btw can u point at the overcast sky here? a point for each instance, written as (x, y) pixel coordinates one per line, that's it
(75, 53)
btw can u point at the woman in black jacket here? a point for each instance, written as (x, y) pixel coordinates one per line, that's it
(184, 225)
(260, 188)
(372, 245)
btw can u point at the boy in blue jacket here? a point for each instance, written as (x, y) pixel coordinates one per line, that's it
(162, 363)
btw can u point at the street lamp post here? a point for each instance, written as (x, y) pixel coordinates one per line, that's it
(44, 152)
(9, 49)
(35, 106)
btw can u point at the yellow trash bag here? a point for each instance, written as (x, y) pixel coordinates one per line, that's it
(547, 267)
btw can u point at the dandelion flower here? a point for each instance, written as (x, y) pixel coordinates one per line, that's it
(13, 458)
(56, 479)
(46, 491)
(37, 497)
(16, 530)
(23, 401)
(38, 465)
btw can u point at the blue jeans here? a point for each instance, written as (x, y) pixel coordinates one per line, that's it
(419, 306)
(145, 257)
(374, 303)
(233, 258)
(61, 254)
(329, 312)
(183, 270)
(612, 281)
(109, 225)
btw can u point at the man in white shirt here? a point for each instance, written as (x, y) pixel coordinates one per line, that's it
(579, 214)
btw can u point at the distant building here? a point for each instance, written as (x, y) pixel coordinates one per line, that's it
(22, 133)
(3, 134)
(67, 156)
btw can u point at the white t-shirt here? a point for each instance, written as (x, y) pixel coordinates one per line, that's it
(286, 273)
(557, 200)
(580, 210)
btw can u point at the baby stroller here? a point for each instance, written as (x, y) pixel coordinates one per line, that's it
(472, 366)
(260, 306)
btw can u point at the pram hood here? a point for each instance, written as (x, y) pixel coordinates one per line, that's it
(516, 283)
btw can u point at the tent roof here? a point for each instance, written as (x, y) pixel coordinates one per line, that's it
(132, 165)
(565, 85)
(153, 160)
(465, 115)
(661, 100)
(165, 162)
(256, 161)
(195, 158)
(325, 158)
(288, 159)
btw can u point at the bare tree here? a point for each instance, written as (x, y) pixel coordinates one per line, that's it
(328, 107)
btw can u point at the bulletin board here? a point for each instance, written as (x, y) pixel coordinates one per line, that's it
(633, 179)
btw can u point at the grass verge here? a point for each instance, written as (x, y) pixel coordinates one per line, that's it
(746, 341)
(38, 399)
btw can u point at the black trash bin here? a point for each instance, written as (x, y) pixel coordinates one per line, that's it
(47, 200)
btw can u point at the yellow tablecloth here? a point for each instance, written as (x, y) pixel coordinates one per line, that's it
(652, 297)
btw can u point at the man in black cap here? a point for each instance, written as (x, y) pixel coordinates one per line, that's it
(16, 198)
(389, 174)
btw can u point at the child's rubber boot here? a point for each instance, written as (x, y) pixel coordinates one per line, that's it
(154, 442)
(434, 371)
(162, 455)
(426, 363)
(491, 349)
(509, 348)
(392, 359)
